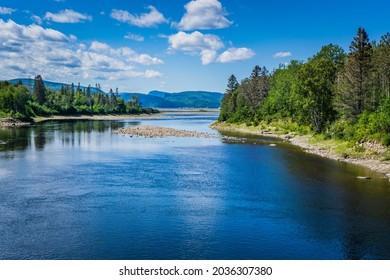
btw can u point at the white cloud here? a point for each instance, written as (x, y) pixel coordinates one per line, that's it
(32, 50)
(152, 74)
(134, 37)
(204, 45)
(208, 56)
(37, 19)
(67, 16)
(99, 47)
(6, 11)
(194, 41)
(235, 54)
(282, 54)
(153, 18)
(125, 53)
(203, 14)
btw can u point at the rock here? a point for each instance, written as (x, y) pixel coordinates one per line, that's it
(363, 177)
(12, 122)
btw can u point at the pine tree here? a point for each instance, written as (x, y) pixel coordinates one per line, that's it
(232, 84)
(354, 94)
(39, 90)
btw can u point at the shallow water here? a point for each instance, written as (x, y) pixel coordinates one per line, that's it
(73, 190)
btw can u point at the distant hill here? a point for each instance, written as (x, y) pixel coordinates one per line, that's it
(185, 99)
(53, 85)
(149, 101)
(154, 99)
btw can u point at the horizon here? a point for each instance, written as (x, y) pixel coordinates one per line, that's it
(173, 47)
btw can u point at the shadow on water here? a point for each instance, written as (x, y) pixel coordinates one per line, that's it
(325, 200)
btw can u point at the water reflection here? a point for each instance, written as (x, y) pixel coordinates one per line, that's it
(73, 190)
(40, 135)
(11, 140)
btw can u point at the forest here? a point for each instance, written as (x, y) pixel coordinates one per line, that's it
(16, 100)
(334, 94)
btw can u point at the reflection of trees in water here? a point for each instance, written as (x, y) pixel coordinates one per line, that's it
(89, 126)
(40, 137)
(334, 205)
(72, 132)
(18, 139)
(14, 139)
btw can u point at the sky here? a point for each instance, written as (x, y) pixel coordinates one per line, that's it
(172, 45)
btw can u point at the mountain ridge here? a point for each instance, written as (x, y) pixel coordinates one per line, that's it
(153, 99)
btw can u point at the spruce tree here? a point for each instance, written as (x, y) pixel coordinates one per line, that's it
(39, 90)
(354, 94)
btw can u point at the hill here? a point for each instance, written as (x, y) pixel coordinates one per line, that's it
(185, 99)
(149, 101)
(154, 99)
(53, 85)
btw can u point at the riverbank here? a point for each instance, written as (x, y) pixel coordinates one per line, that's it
(12, 122)
(369, 154)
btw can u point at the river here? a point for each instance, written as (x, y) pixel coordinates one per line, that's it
(74, 190)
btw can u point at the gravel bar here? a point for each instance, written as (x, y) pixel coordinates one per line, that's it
(159, 132)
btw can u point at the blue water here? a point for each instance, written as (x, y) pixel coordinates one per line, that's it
(73, 190)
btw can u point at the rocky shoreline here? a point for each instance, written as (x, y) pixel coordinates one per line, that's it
(303, 142)
(12, 122)
(160, 132)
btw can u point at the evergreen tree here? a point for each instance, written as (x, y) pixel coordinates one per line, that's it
(256, 88)
(228, 103)
(39, 90)
(232, 84)
(354, 94)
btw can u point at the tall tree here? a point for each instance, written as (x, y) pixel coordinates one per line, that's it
(354, 94)
(39, 90)
(256, 88)
(228, 103)
(381, 71)
(232, 84)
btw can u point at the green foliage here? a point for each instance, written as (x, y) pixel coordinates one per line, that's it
(16, 101)
(338, 96)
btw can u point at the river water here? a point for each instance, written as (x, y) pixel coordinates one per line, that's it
(73, 190)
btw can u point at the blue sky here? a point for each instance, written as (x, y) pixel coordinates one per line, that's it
(172, 45)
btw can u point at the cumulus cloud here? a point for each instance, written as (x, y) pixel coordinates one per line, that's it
(195, 41)
(208, 56)
(32, 49)
(235, 54)
(203, 14)
(67, 16)
(204, 45)
(6, 11)
(134, 37)
(282, 54)
(151, 19)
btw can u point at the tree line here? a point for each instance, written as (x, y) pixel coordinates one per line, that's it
(337, 94)
(16, 100)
